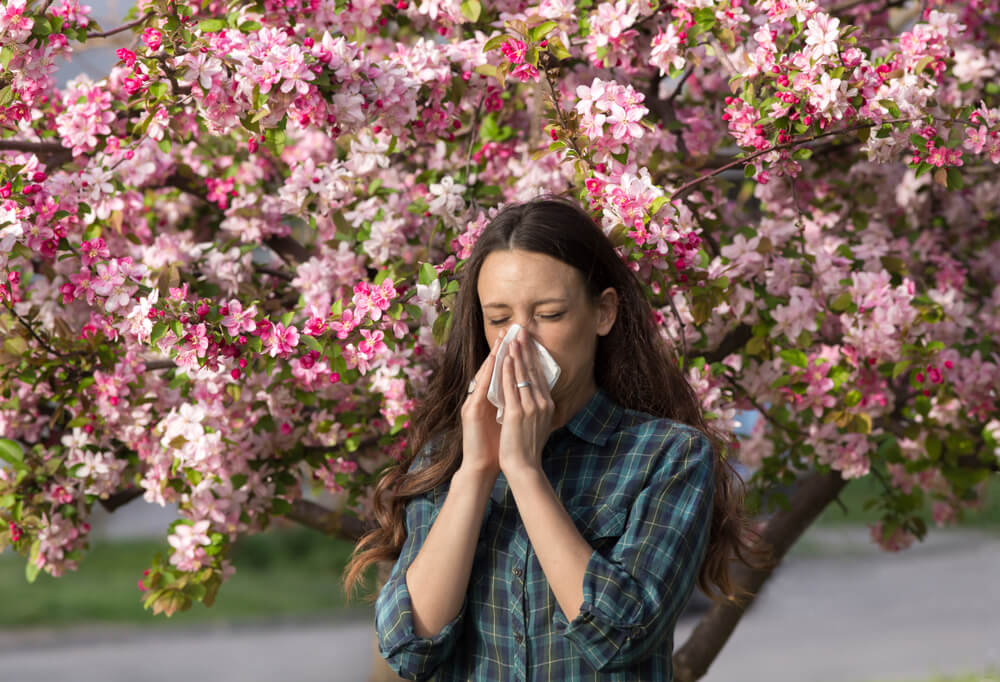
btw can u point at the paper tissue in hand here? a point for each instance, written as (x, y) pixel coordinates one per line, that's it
(550, 370)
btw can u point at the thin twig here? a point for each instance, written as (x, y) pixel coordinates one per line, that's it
(31, 331)
(687, 187)
(281, 274)
(680, 85)
(123, 27)
(851, 4)
(559, 112)
(684, 346)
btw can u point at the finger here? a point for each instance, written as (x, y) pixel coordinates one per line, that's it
(512, 397)
(481, 380)
(525, 393)
(533, 367)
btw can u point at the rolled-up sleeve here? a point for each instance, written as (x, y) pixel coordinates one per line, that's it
(412, 657)
(633, 594)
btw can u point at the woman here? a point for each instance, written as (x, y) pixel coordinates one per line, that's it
(563, 543)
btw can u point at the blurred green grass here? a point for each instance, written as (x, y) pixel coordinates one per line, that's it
(289, 574)
(858, 491)
(991, 675)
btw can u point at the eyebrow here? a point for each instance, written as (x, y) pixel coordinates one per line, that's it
(539, 302)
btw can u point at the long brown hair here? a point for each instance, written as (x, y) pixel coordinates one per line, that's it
(650, 382)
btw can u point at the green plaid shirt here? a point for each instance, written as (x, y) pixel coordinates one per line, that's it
(639, 489)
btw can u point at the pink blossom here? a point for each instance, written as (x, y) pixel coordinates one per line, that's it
(282, 340)
(514, 51)
(189, 541)
(153, 38)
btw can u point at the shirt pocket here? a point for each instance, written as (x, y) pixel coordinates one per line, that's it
(600, 524)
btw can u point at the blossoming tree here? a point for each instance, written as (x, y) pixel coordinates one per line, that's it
(226, 264)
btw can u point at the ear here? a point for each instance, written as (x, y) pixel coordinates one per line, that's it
(607, 311)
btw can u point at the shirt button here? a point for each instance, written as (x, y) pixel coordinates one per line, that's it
(519, 638)
(517, 572)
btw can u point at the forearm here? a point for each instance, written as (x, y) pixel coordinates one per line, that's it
(562, 552)
(439, 575)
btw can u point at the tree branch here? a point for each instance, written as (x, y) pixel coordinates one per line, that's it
(288, 248)
(687, 187)
(155, 365)
(33, 147)
(731, 342)
(53, 152)
(326, 521)
(123, 27)
(813, 493)
(121, 498)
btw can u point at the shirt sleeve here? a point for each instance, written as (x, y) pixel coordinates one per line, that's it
(633, 596)
(410, 656)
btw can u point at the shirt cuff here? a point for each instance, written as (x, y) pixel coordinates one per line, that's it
(609, 617)
(400, 645)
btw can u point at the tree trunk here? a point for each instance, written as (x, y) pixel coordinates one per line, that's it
(812, 495)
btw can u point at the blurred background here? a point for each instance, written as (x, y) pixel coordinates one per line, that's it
(838, 609)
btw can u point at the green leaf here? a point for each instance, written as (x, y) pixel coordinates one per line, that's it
(31, 568)
(900, 367)
(495, 42)
(802, 154)
(211, 25)
(471, 9)
(159, 329)
(427, 274)
(6, 54)
(11, 452)
(158, 90)
(280, 506)
(933, 445)
(955, 179)
(841, 303)
(311, 342)
(794, 356)
(542, 30)
(891, 107)
(250, 26)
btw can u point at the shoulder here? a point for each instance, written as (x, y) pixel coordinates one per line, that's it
(661, 442)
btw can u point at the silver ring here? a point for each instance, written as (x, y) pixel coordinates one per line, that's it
(523, 384)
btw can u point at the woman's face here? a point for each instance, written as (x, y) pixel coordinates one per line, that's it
(549, 299)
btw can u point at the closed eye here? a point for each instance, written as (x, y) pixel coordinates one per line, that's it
(547, 316)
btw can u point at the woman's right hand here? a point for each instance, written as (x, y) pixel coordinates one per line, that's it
(480, 430)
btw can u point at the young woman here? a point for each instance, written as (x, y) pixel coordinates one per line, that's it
(563, 543)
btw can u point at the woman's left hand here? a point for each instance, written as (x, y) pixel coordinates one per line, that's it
(528, 410)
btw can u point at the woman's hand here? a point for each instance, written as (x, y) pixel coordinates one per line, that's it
(480, 431)
(528, 410)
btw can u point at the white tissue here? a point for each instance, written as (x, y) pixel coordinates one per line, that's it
(495, 392)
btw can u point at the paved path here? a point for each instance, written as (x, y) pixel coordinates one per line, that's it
(838, 610)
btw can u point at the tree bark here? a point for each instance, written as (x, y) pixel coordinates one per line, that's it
(812, 495)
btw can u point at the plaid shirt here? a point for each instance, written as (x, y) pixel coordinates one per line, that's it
(639, 489)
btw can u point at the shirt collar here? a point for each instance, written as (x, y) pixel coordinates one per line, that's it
(597, 419)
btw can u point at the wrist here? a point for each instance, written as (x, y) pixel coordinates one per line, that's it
(475, 478)
(524, 474)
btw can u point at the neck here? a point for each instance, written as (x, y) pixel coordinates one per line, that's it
(571, 401)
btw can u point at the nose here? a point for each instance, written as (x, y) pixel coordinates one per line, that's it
(528, 325)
